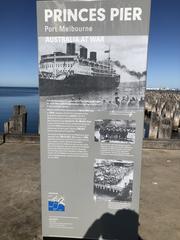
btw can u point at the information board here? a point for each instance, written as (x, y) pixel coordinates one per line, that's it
(92, 78)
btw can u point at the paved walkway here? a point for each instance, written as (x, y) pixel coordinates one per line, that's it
(20, 194)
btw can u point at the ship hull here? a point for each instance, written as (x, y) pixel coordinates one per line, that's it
(77, 84)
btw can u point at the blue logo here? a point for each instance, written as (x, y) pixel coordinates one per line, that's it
(54, 206)
(56, 203)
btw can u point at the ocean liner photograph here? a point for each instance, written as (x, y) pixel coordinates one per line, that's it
(113, 180)
(115, 131)
(105, 73)
(70, 72)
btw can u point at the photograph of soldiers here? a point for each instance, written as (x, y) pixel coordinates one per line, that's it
(115, 131)
(113, 180)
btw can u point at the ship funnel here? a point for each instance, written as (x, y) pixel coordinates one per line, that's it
(83, 52)
(93, 56)
(70, 49)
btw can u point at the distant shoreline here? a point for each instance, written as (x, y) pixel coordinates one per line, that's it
(163, 90)
(19, 87)
(147, 89)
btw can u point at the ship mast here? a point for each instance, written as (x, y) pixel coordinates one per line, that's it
(109, 58)
(109, 55)
(55, 70)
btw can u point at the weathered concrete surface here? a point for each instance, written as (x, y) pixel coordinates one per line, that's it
(20, 193)
(172, 144)
(1, 138)
(20, 217)
(22, 138)
(160, 195)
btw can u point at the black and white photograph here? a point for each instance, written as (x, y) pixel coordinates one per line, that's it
(115, 131)
(102, 73)
(113, 180)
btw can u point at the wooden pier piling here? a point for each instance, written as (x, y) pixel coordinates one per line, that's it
(17, 124)
(154, 126)
(162, 114)
(165, 129)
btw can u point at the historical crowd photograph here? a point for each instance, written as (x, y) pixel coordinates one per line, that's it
(113, 180)
(115, 131)
(106, 75)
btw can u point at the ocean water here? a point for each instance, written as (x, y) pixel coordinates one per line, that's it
(10, 96)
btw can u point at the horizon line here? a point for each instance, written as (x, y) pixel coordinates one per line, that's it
(147, 88)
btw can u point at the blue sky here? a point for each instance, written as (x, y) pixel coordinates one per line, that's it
(18, 44)
(164, 44)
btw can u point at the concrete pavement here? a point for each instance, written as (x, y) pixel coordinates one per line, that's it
(20, 203)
